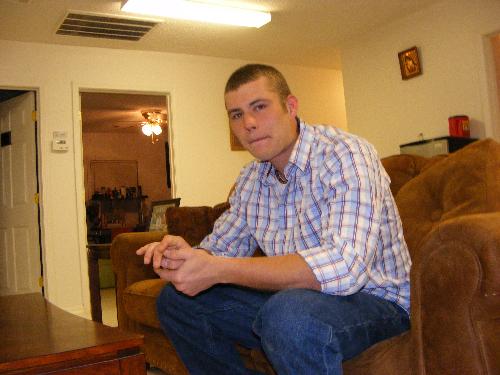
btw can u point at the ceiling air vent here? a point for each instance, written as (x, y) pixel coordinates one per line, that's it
(104, 26)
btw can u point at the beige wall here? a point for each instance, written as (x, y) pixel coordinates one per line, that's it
(204, 166)
(389, 111)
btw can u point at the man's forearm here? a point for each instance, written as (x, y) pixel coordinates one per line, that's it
(267, 273)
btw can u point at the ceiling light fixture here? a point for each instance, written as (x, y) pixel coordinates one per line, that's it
(155, 120)
(198, 11)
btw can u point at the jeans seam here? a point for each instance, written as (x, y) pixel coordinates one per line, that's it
(325, 362)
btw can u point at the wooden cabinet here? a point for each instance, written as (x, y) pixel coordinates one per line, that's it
(107, 217)
(120, 212)
(115, 200)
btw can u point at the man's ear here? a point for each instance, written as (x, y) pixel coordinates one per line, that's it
(292, 105)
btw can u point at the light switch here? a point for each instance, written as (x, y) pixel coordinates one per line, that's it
(60, 141)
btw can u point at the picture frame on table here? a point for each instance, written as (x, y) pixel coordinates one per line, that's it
(409, 63)
(158, 221)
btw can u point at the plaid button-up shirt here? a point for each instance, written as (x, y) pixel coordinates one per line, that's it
(336, 211)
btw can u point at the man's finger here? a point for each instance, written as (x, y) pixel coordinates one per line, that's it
(177, 254)
(173, 242)
(147, 251)
(157, 257)
(163, 273)
(171, 264)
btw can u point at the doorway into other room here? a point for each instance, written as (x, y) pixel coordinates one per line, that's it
(126, 169)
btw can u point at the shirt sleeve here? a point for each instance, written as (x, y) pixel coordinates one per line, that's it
(231, 236)
(353, 184)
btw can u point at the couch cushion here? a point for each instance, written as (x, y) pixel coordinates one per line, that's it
(465, 182)
(139, 300)
(388, 357)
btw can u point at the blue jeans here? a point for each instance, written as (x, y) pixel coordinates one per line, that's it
(301, 331)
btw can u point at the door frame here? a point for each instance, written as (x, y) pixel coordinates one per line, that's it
(40, 218)
(78, 88)
(489, 88)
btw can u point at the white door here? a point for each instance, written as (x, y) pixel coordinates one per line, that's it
(20, 266)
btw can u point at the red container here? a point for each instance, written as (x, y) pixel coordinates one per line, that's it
(459, 126)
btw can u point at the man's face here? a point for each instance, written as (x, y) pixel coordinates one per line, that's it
(261, 124)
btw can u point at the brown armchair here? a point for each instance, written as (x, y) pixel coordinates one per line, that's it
(450, 209)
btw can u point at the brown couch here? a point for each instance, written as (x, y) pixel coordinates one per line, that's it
(450, 208)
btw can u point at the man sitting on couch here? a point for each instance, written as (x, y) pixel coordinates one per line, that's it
(317, 202)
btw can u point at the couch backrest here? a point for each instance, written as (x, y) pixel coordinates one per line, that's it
(465, 182)
(402, 168)
(193, 223)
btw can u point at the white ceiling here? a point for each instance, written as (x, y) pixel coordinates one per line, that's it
(112, 112)
(302, 32)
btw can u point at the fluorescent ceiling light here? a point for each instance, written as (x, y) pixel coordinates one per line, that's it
(198, 11)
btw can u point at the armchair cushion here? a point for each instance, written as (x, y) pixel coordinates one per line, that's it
(139, 301)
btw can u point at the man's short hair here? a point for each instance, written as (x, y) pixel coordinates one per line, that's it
(252, 72)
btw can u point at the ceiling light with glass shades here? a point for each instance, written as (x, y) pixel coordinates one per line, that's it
(153, 126)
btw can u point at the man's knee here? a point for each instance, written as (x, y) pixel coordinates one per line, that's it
(282, 304)
(286, 316)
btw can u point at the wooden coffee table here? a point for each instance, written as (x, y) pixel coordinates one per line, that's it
(38, 337)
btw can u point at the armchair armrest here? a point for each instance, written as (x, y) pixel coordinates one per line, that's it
(455, 297)
(129, 267)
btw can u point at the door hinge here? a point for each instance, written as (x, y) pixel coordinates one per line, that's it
(40, 282)
(36, 198)
(34, 116)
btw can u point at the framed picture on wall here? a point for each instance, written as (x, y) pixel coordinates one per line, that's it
(409, 63)
(235, 143)
(158, 221)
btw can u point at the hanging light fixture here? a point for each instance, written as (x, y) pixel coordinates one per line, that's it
(153, 126)
(147, 129)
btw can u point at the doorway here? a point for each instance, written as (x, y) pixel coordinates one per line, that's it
(20, 246)
(125, 171)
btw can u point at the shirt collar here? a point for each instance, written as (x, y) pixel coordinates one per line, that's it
(298, 158)
(302, 149)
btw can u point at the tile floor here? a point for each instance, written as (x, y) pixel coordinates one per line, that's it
(108, 303)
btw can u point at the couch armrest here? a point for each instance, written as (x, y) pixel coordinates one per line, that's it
(129, 267)
(455, 297)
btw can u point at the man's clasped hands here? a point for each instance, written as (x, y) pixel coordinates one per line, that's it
(189, 270)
